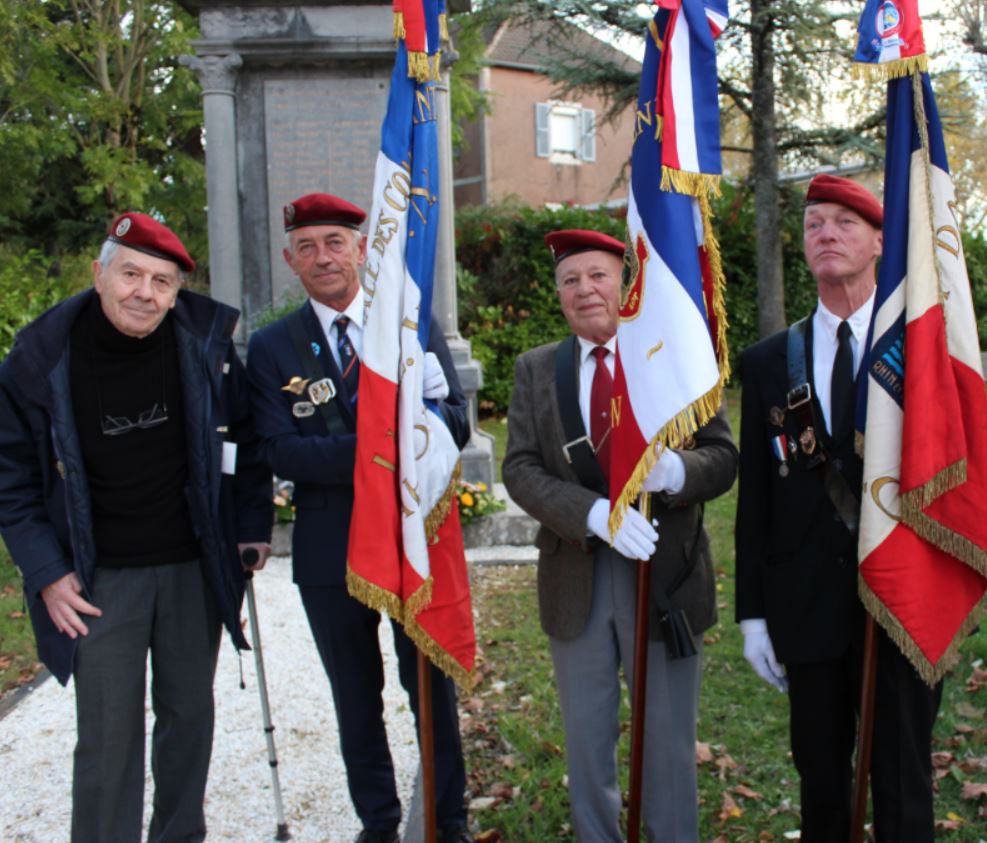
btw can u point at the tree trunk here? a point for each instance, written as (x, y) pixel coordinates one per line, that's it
(767, 215)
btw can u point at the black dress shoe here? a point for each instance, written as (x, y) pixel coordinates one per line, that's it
(454, 834)
(370, 836)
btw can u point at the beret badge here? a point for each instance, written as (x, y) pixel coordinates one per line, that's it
(122, 227)
(289, 213)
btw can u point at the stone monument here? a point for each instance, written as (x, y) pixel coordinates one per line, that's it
(293, 98)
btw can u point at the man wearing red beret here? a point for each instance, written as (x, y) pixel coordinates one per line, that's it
(586, 587)
(796, 540)
(304, 373)
(130, 482)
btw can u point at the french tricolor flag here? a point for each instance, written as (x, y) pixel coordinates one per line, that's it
(406, 553)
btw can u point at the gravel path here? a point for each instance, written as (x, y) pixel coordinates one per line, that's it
(38, 735)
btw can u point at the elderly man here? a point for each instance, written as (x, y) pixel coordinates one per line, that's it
(304, 373)
(797, 539)
(129, 484)
(586, 587)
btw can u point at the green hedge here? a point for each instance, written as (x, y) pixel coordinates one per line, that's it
(507, 301)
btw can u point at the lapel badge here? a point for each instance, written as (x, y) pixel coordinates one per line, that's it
(321, 392)
(296, 386)
(689, 444)
(776, 416)
(302, 409)
(316, 349)
(807, 439)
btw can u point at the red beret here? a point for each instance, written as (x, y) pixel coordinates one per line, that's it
(322, 209)
(846, 192)
(575, 240)
(147, 235)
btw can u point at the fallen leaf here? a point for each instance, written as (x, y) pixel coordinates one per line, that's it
(491, 836)
(729, 810)
(482, 803)
(942, 759)
(746, 792)
(16, 616)
(704, 755)
(973, 790)
(5, 662)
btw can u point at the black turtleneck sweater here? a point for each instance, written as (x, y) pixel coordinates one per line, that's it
(137, 480)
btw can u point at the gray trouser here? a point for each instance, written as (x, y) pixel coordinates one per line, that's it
(168, 610)
(587, 675)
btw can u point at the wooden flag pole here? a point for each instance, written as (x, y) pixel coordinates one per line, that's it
(639, 695)
(865, 734)
(426, 744)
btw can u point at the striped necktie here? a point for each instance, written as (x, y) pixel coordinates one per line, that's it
(349, 363)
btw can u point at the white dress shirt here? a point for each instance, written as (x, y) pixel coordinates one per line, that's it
(824, 344)
(327, 317)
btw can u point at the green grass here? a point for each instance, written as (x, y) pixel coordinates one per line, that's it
(18, 655)
(748, 786)
(496, 426)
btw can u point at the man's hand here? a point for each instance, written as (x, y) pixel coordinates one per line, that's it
(434, 386)
(635, 539)
(668, 475)
(65, 603)
(263, 551)
(761, 654)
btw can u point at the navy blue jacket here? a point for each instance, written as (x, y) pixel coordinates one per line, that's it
(45, 508)
(302, 450)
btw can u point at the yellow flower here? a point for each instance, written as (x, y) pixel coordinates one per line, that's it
(466, 499)
(481, 487)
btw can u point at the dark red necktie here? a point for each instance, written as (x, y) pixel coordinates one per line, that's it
(599, 409)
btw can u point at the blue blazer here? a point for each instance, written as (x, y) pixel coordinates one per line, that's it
(302, 450)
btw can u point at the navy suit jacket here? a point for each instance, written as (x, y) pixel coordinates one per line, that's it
(303, 451)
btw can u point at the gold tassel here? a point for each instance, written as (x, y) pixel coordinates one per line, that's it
(653, 29)
(419, 66)
(399, 32)
(444, 27)
(437, 65)
(890, 70)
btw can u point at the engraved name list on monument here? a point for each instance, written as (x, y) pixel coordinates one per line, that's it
(321, 135)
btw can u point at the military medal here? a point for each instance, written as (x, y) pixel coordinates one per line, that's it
(302, 409)
(776, 416)
(779, 447)
(322, 391)
(807, 439)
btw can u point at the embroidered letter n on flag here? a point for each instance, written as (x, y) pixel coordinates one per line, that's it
(923, 535)
(406, 552)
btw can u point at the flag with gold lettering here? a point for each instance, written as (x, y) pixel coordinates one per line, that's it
(922, 405)
(406, 553)
(671, 360)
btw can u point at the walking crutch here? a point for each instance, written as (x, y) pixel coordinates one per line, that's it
(250, 556)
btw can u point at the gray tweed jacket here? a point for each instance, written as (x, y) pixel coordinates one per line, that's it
(543, 483)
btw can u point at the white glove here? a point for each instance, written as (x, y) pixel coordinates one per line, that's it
(668, 475)
(761, 655)
(635, 539)
(434, 383)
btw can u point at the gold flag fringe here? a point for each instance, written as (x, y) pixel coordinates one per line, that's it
(417, 601)
(465, 679)
(930, 672)
(419, 66)
(691, 184)
(373, 596)
(687, 421)
(887, 71)
(399, 31)
(436, 518)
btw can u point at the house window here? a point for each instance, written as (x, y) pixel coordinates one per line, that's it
(565, 132)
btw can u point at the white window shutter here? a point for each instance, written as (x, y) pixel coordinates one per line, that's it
(587, 125)
(543, 144)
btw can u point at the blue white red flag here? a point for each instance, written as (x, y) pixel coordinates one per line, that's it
(922, 407)
(671, 339)
(406, 552)
(889, 39)
(685, 91)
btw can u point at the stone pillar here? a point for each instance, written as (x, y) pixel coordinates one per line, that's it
(217, 75)
(478, 456)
